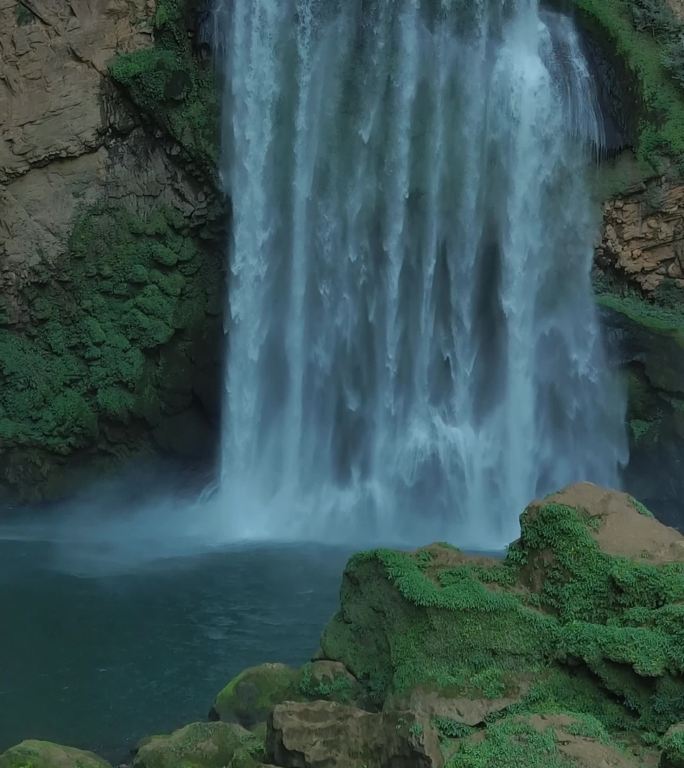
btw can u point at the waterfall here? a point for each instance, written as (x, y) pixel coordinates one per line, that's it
(413, 350)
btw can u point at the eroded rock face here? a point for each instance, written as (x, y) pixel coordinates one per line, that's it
(329, 735)
(643, 235)
(55, 55)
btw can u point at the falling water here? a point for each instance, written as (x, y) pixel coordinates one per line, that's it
(413, 350)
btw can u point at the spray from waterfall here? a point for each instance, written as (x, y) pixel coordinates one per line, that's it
(413, 350)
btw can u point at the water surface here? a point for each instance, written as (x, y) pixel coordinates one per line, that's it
(97, 654)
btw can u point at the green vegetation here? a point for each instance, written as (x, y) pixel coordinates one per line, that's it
(657, 65)
(340, 687)
(95, 358)
(200, 745)
(44, 754)
(172, 87)
(658, 319)
(250, 696)
(600, 635)
(673, 748)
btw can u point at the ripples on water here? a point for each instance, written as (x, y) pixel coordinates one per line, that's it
(99, 650)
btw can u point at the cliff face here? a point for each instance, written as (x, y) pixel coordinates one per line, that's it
(639, 275)
(110, 246)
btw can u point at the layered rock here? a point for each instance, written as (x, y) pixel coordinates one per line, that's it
(643, 236)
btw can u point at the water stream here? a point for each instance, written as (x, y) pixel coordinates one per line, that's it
(413, 349)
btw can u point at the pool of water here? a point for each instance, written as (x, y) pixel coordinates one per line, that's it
(98, 654)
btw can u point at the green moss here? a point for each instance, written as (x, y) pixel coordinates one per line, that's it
(199, 745)
(662, 125)
(172, 87)
(44, 754)
(642, 509)
(341, 687)
(94, 352)
(673, 748)
(658, 319)
(601, 636)
(511, 744)
(250, 696)
(403, 630)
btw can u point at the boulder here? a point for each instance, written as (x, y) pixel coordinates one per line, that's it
(44, 754)
(250, 696)
(673, 748)
(325, 734)
(199, 745)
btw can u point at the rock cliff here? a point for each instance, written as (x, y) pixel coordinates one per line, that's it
(110, 241)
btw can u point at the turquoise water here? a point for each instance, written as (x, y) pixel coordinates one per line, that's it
(98, 653)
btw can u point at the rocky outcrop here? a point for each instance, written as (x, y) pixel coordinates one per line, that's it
(111, 240)
(643, 237)
(328, 735)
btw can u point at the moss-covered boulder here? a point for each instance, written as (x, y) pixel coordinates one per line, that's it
(200, 745)
(45, 754)
(673, 748)
(584, 615)
(249, 697)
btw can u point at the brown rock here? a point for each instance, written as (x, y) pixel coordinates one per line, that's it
(623, 529)
(430, 703)
(582, 751)
(327, 735)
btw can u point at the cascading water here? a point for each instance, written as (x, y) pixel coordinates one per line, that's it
(413, 349)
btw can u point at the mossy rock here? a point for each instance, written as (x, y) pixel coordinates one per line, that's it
(329, 681)
(673, 748)
(112, 352)
(199, 745)
(588, 606)
(542, 741)
(45, 754)
(250, 696)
